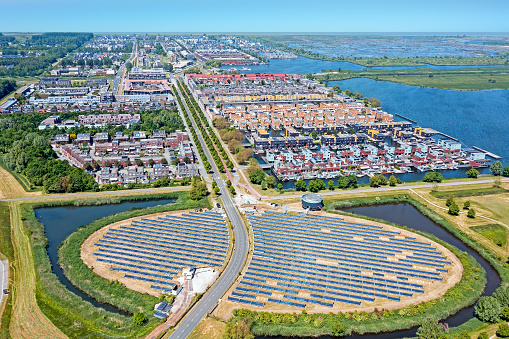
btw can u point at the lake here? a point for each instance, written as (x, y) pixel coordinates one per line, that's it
(60, 222)
(476, 118)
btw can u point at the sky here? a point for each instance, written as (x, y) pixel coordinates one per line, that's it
(254, 16)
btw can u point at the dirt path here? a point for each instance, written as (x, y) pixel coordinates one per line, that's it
(27, 320)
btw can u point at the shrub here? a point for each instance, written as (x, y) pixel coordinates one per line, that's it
(454, 209)
(466, 205)
(139, 319)
(471, 213)
(483, 335)
(430, 329)
(502, 295)
(472, 173)
(433, 177)
(449, 201)
(503, 331)
(338, 329)
(488, 309)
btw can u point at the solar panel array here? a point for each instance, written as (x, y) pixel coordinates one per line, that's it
(326, 261)
(154, 250)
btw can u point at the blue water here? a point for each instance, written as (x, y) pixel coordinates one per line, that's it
(300, 65)
(476, 118)
(60, 222)
(303, 65)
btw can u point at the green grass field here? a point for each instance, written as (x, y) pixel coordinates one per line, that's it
(462, 79)
(495, 232)
(469, 192)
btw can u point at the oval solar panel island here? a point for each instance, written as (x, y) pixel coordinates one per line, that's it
(166, 253)
(325, 263)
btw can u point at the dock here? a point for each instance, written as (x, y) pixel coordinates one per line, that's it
(401, 116)
(448, 136)
(494, 156)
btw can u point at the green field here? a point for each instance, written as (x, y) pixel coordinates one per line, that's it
(469, 192)
(465, 79)
(495, 232)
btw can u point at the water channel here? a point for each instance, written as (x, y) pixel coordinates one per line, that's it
(60, 222)
(407, 215)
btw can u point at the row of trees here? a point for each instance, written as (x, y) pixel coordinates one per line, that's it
(6, 87)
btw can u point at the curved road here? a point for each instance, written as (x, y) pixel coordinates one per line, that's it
(237, 260)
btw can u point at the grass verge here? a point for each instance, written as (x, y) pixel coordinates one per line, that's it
(494, 232)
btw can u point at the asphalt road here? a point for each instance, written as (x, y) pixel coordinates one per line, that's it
(236, 263)
(116, 81)
(4, 278)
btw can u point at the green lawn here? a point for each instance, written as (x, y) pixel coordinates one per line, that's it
(494, 232)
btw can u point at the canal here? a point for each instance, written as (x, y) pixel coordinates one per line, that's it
(60, 222)
(407, 215)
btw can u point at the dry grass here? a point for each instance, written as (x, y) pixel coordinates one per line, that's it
(27, 319)
(11, 188)
(208, 328)
(493, 206)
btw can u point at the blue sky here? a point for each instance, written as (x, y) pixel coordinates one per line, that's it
(255, 16)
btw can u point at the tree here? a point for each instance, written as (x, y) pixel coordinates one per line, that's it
(198, 190)
(463, 335)
(502, 295)
(233, 145)
(139, 319)
(257, 176)
(264, 185)
(483, 335)
(151, 162)
(300, 185)
(472, 173)
(129, 66)
(505, 314)
(449, 201)
(271, 181)
(280, 187)
(392, 180)
(316, 185)
(496, 168)
(378, 180)
(505, 171)
(336, 88)
(497, 182)
(488, 309)
(330, 185)
(338, 329)
(139, 162)
(375, 102)
(454, 209)
(238, 330)
(430, 329)
(466, 205)
(164, 161)
(433, 177)
(503, 331)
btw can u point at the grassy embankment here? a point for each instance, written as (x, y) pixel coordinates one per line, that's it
(464, 79)
(69, 313)
(6, 253)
